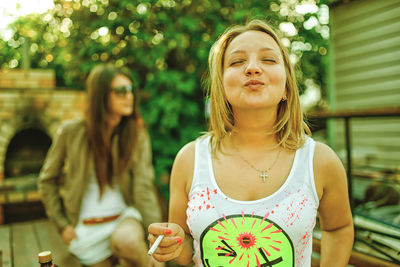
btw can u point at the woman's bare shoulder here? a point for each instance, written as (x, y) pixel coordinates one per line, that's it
(324, 156)
(184, 160)
(183, 167)
(328, 168)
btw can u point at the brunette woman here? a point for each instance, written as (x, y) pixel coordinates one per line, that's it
(97, 179)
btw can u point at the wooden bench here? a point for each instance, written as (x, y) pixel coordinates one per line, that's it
(20, 244)
(18, 190)
(20, 200)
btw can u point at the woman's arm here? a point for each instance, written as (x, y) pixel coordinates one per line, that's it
(181, 181)
(177, 244)
(49, 176)
(145, 197)
(334, 209)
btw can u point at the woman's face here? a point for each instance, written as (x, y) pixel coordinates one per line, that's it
(120, 99)
(254, 71)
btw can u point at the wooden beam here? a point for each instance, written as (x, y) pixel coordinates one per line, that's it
(24, 245)
(5, 249)
(381, 112)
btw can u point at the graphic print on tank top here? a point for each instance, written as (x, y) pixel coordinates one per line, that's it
(246, 240)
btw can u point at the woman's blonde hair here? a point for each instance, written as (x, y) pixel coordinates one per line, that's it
(290, 129)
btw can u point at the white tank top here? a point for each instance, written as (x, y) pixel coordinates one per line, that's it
(272, 231)
(111, 202)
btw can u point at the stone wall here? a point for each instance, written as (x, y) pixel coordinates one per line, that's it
(35, 78)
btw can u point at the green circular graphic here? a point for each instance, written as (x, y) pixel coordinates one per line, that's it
(245, 240)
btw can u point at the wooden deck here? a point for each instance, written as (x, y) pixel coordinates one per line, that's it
(21, 242)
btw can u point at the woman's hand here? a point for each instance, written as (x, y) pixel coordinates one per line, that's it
(171, 245)
(154, 263)
(68, 233)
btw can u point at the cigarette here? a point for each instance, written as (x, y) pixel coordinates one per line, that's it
(155, 245)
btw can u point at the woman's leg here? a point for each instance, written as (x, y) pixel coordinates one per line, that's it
(128, 243)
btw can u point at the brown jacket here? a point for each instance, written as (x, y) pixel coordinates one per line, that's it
(68, 164)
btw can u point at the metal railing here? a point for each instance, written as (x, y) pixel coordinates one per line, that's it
(347, 115)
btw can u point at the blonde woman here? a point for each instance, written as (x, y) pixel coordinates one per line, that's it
(248, 192)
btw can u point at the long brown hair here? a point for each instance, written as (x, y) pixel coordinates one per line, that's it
(99, 87)
(289, 127)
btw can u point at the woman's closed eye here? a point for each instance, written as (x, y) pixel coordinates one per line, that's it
(236, 62)
(269, 60)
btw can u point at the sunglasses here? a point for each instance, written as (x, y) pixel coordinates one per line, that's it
(123, 90)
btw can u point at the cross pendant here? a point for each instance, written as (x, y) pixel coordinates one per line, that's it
(264, 176)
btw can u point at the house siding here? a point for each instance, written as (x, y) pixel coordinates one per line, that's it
(365, 35)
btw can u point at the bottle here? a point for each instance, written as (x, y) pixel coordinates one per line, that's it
(46, 259)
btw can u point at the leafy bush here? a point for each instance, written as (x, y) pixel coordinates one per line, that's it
(164, 44)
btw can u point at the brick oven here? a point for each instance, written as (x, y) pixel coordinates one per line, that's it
(31, 110)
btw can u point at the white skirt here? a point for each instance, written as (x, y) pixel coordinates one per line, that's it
(93, 242)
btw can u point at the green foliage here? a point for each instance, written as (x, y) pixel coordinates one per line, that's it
(163, 43)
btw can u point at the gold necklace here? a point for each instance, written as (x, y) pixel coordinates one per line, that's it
(264, 173)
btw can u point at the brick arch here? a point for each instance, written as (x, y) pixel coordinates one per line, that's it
(26, 151)
(42, 109)
(21, 123)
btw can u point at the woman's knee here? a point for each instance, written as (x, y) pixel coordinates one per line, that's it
(128, 238)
